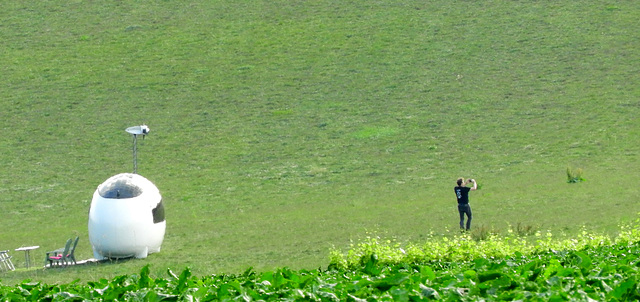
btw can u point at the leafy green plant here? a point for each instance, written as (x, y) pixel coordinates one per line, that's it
(465, 247)
(574, 175)
(601, 273)
(483, 232)
(524, 230)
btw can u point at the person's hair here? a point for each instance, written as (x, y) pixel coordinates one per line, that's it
(460, 181)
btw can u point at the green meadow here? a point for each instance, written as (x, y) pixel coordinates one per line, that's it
(281, 130)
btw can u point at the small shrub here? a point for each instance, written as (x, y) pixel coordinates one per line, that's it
(483, 233)
(523, 230)
(483, 242)
(574, 176)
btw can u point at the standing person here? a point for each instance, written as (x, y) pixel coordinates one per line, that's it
(462, 194)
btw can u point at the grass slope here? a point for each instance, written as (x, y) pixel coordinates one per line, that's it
(283, 128)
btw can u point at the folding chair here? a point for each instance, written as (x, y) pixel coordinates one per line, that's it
(5, 261)
(71, 257)
(59, 256)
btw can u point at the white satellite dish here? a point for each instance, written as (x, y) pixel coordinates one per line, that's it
(137, 130)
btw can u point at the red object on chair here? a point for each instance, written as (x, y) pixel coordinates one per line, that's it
(57, 258)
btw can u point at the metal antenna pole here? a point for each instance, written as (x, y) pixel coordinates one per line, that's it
(137, 130)
(135, 154)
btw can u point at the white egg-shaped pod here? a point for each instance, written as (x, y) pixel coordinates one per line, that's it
(126, 218)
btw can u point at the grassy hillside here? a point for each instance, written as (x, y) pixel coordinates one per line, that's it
(280, 129)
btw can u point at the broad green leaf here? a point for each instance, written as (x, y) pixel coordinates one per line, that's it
(327, 295)
(182, 282)
(144, 280)
(427, 272)
(470, 274)
(399, 294)
(584, 262)
(371, 266)
(171, 274)
(489, 275)
(480, 263)
(624, 287)
(429, 292)
(558, 297)
(356, 299)
(388, 282)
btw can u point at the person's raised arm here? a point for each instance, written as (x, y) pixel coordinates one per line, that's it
(475, 184)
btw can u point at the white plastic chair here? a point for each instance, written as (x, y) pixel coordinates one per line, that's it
(5, 261)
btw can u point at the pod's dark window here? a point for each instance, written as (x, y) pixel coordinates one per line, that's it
(158, 213)
(120, 188)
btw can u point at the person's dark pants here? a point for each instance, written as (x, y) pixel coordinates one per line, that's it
(465, 209)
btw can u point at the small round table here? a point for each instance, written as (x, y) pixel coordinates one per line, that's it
(26, 250)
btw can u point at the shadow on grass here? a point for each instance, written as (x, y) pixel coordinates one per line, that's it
(89, 262)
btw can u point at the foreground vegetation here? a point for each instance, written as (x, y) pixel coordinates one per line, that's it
(592, 267)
